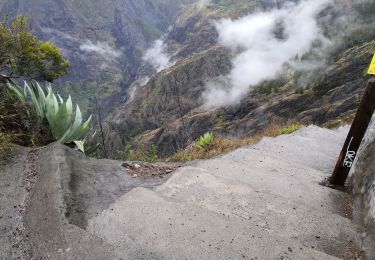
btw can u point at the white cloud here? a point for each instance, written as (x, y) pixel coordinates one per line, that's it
(101, 48)
(157, 56)
(265, 42)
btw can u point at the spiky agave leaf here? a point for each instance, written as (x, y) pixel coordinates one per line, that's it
(52, 107)
(89, 145)
(92, 145)
(60, 99)
(77, 122)
(78, 130)
(80, 145)
(41, 95)
(37, 98)
(91, 148)
(84, 128)
(62, 119)
(18, 91)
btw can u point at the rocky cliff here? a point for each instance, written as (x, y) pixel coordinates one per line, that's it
(362, 181)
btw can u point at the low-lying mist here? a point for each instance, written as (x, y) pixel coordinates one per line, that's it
(263, 43)
(157, 56)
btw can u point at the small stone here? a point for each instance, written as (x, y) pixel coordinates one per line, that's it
(135, 176)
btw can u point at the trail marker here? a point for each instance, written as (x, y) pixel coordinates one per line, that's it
(371, 70)
(357, 132)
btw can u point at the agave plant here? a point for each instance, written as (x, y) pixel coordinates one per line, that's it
(58, 112)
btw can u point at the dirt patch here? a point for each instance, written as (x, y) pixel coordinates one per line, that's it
(144, 169)
(353, 253)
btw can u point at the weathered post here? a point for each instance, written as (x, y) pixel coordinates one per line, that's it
(357, 132)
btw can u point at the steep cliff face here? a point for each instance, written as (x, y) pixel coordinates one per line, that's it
(104, 41)
(168, 111)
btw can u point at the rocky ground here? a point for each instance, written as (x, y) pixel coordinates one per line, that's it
(259, 202)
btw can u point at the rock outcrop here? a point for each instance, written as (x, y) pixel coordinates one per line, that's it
(362, 181)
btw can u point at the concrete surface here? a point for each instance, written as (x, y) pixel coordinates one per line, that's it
(67, 189)
(258, 202)
(14, 190)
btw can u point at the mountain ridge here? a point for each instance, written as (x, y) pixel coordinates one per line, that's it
(104, 43)
(167, 110)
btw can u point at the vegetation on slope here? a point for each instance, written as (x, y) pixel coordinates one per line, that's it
(65, 124)
(23, 55)
(31, 116)
(89, 32)
(210, 145)
(167, 112)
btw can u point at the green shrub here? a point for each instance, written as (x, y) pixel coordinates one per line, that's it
(24, 55)
(206, 140)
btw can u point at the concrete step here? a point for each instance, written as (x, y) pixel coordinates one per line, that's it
(288, 181)
(254, 158)
(314, 147)
(273, 213)
(144, 225)
(259, 202)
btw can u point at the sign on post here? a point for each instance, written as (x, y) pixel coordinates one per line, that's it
(371, 70)
(357, 132)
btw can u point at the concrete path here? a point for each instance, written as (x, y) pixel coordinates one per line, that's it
(260, 202)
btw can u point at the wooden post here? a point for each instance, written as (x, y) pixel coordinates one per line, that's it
(357, 132)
